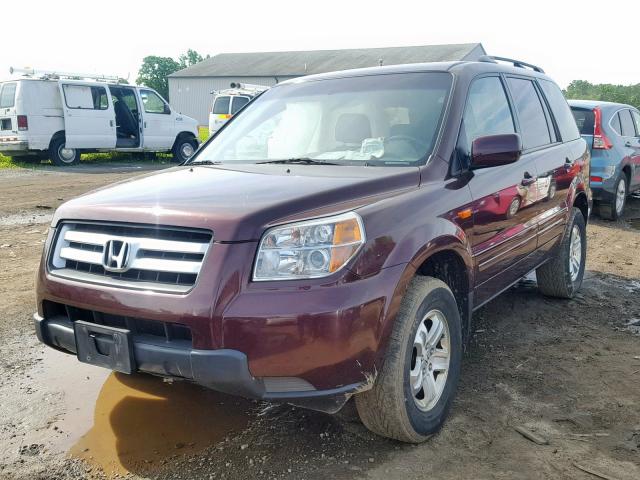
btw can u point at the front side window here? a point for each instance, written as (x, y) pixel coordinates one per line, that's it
(561, 111)
(376, 120)
(627, 123)
(7, 95)
(85, 97)
(221, 105)
(238, 103)
(487, 113)
(152, 102)
(533, 123)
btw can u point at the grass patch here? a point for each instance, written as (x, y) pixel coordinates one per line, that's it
(106, 157)
(204, 133)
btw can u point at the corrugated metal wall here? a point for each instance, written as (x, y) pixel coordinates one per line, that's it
(192, 96)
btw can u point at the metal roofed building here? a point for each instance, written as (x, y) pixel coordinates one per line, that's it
(190, 89)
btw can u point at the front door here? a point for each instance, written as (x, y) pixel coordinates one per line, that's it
(159, 124)
(88, 115)
(504, 231)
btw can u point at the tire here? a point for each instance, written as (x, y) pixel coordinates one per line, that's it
(559, 277)
(182, 147)
(61, 156)
(514, 206)
(391, 408)
(615, 210)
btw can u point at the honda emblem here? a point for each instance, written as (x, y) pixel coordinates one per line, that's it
(116, 256)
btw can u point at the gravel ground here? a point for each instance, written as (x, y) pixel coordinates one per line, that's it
(568, 371)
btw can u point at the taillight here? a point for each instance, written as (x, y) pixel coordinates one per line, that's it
(596, 179)
(600, 140)
(23, 123)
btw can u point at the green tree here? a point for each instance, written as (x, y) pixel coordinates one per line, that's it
(583, 90)
(190, 58)
(154, 72)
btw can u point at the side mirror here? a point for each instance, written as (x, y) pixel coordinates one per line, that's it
(495, 150)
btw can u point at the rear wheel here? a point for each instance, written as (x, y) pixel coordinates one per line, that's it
(615, 209)
(411, 396)
(562, 275)
(61, 155)
(184, 148)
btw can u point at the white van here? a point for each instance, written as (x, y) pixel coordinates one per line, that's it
(56, 118)
(226, 103)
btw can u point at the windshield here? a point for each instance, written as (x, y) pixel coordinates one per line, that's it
(390, 119)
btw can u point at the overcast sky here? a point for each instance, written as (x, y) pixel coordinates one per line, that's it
(569, 39)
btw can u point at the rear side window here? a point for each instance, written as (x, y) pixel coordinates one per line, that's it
(487, 111)
(585, 120)
(7, 95)
(221, 105)
(628, 127)
(238, 103)
(636, 118)
(615, 124)
(535, 130)
(85, 97)
(561, 111)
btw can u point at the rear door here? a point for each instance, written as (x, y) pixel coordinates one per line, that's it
(504, 231)
(221, 111)
(636, 119)
(158, 122)
(560, 163)
(631, 144)
(89, 117)
(238, 102)
(8, 114)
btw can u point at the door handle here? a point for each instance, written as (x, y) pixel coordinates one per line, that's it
(111, 123)
(145, 124)
(527, 180)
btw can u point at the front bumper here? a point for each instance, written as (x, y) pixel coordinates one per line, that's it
(224, 370)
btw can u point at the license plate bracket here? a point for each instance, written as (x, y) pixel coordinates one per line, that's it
(108, 347)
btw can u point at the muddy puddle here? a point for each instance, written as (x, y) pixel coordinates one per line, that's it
(133, 423)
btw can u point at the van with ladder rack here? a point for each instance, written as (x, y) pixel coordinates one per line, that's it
(226, 103)
(50, 114)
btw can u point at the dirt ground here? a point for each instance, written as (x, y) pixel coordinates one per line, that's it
(568, 371)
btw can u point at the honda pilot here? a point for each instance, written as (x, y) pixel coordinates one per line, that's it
(331, 241)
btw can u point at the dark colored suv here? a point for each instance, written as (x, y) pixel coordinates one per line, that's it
(331, 240)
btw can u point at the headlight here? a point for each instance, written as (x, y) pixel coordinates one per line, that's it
(310, 249)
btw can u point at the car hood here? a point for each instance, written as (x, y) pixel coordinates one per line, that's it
(238, 203)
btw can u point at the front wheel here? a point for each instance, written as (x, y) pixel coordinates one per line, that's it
(411, 396)
(61, 155)
(184, 149)
(562, 275)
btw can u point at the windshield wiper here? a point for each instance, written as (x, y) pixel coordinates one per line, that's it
(302, 160)
(204, 162)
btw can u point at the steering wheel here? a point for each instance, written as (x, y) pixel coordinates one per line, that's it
(417, 145)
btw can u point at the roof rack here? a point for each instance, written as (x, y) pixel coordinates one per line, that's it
(53, 74)
(515, 63)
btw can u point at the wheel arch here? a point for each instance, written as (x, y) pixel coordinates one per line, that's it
(447, 258)
(181, 135)
(56, 136)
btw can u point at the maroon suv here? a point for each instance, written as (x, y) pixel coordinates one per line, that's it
(332, 240)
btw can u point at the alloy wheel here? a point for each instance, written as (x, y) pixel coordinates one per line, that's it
(575, 253)
(430, 360)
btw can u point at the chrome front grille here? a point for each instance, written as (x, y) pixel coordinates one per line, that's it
(143, 257)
